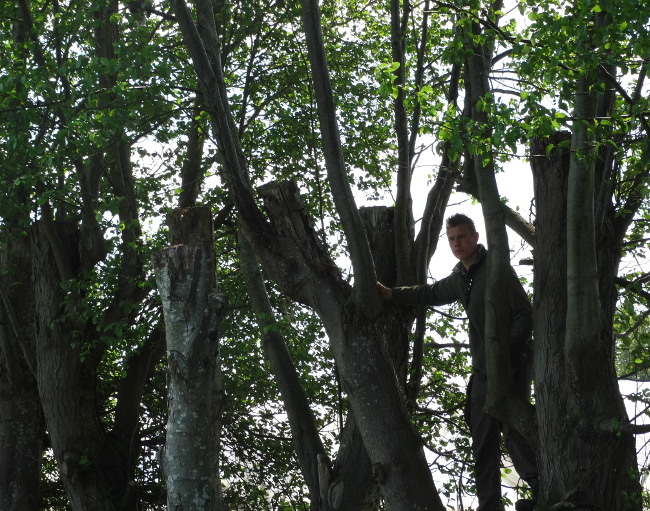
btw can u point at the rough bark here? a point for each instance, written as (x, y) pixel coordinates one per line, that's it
(97, 467)
(66, 380)
(351, 485)
(379, 222)
(595, 406)
(583, 347)
(186, 279)
(586, 457)
(22, 426)
(550, 174)
(394, 448)
(21, 433)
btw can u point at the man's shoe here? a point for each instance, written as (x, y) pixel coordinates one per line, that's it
(525, 504)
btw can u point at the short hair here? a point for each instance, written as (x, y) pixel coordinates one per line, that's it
(460, 219)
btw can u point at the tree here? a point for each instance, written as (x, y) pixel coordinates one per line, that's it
(21, 418)
(580, 407)
(186, 277)
(71, 203)
(360, 362)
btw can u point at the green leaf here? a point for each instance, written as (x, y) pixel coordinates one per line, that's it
(549, 149)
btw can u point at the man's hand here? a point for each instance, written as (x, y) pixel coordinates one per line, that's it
(385, 293)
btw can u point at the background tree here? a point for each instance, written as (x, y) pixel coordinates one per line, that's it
(72, 197)
(595, 228)
(186, 279)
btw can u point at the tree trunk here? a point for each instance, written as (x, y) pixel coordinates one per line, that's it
(379, 224)
(21, 433)
(550, 174)
(394, 448)
(22, 426)
(596, 409)
(351, 486)
(66, 373)
(501, 401)
(185, 274)
(307, 274)
(586, 457)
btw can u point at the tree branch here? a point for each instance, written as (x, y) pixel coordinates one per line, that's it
(362, 263)
(305, 435)
(404, 228)
(203, 48)
(633, 289)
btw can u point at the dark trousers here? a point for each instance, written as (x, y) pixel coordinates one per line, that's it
(486, 433)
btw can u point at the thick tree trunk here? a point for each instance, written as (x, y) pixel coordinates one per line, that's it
(21, 433)
(394, 448)
(586, 457)
(351, 486)
(550, 174)
(595, 406)
(185, 274)
(66, 375)
(22, 426)
(307, 274)
(97, 468)
(379, 224)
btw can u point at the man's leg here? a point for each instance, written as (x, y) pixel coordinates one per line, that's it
(485, 446)
(523, 456)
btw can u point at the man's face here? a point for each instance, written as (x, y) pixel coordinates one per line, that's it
(463, 243)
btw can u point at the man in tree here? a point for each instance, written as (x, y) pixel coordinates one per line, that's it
(467, 284)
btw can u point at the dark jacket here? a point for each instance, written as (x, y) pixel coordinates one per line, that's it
(468, 287)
